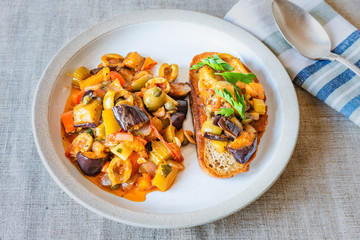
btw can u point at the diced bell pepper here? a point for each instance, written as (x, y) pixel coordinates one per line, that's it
(101, 76)
(164, 177)
(220, 146)
(259, 106)
(111, 125)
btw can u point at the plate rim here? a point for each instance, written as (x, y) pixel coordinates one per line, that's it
(40, 125)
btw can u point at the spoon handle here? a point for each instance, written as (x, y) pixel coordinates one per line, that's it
(335, 57)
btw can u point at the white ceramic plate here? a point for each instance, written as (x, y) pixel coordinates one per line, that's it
(171, 36)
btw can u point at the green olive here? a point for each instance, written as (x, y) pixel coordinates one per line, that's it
(246, 121)
(170, 106)
(156, 91)
(209, 127)
(124, 102)
(185, 142)
(154, 98)
(138, 84)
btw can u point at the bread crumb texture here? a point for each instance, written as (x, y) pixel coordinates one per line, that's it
(223, 164)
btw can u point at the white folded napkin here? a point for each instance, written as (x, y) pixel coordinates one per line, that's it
(329, 81)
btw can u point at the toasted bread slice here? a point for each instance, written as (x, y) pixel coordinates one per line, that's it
(220, 165)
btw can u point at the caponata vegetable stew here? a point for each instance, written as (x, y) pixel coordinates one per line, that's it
(122, 127)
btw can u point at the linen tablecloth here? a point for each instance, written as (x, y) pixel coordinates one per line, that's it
(317, 196)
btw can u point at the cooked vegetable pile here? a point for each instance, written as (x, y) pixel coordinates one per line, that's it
(234, 101)
(123, 127)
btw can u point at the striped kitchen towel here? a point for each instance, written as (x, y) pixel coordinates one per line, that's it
(331, 82)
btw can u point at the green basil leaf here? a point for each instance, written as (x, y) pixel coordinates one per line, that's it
(196, 66)
(233, 77)
(224, 64)
(241, 100)
(89, 131)
(115, 187)
(225, 112)
(215, 63)
(238, 104)
(237, 96)
(165, 170)
(242, 114)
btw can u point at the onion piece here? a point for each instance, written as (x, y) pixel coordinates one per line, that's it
(177, 141)
(250, 129)
(120, 136)
(190, 136)
(105, 180)
(175, 164)
(94, 87)
(174, 152)
(143, 131)
(160, 112)
(129, 183)
(148, 167)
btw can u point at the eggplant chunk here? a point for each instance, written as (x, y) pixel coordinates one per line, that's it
(88, 93)
(221, 137)
(182, 106)
(216, 119)
(177, 119)
(96, 70)
(87, 115)
(228, 126)
(243, 155)
(90, 163)
(179, 90)
(86, 125)
(129, 116)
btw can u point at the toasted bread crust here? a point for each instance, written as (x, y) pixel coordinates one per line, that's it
(199, 116)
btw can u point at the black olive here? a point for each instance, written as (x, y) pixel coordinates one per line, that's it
(182, 106)
(177, 119)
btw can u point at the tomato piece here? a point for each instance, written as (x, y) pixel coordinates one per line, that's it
(76, 98)
(148, 64)
(105, 167)
(144, 182)
(133, 159)
(68, 121)
(115, 75)
(100, 93)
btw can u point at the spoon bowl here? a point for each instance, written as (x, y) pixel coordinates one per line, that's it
(305, 33)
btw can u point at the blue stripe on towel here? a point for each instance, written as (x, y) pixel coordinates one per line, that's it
(351, 106)
(332, 85)
(313, 68)
(309, 70)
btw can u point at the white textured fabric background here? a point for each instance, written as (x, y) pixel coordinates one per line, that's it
(317, 196)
